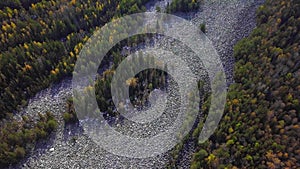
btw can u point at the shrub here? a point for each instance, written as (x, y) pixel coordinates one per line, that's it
(203, 27)
(201, 154)
(20, 152)
(51, 125)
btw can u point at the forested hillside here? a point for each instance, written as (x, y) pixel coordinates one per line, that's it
(260, 127)
(40, 41)
(39, 44)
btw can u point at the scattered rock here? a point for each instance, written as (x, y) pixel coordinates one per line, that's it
(226, 23)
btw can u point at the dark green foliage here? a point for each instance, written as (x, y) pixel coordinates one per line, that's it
(260, 127)
(158, 9)
(200, 155)
(20, 152)
(139, 86)
(203, 27)
(39, 44)
(183, 6)
(70, 115)
(16, 139)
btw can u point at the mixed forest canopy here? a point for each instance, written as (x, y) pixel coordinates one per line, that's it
(260, 127)
(40, 41)
(39, 44)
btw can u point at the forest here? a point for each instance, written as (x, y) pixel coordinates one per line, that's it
(39, 48)
(260, 126)
(39, 44)
(41, 41)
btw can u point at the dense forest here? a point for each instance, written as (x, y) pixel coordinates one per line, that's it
(260, 127)
(40, 41)
(183, 6)
(40, 47)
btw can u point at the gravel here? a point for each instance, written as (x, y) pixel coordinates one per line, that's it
(68, 147)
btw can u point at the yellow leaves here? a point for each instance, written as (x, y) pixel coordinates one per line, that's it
(53, 3)
(26, 46)
(9, 15)
(229, 142)
(108, 72)
(85, 38)
(16, 11)
(235, 101)
(76, 51)
(278, 21)
(4, 28)
(210, 158)
(71, 54)
(253, 101)
(10, 36)
(73, 2)
(86, 17)
(230, 130)
(50, 13)
(99, 6)
(44, 25)
(13, 25)
(27, 67)
(249, 157)
(70, 36)
(55, 71)
(132, 82)
(33, 6)
(9, 12)
(43, 32)
(38, 44)
(77, 48)
(95, 16)
(227, 118)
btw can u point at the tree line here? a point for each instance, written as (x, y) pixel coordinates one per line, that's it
(39, 43)
(260, 127)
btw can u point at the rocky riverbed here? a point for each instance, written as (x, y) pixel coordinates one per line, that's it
(68, 147)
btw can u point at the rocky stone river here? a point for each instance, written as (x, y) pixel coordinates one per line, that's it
(226, 23)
